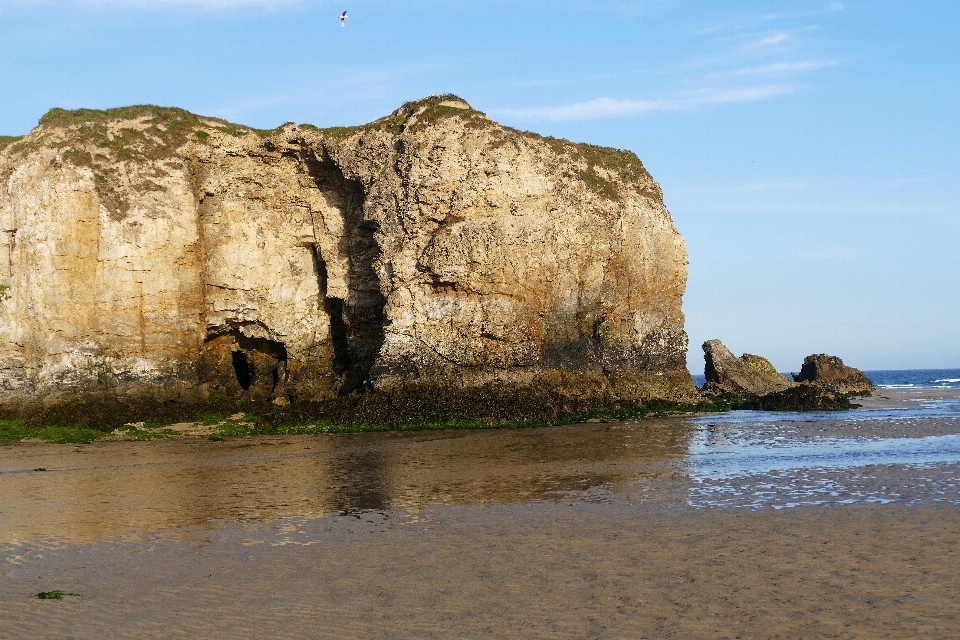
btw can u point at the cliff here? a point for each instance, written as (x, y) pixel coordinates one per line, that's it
(153, 253)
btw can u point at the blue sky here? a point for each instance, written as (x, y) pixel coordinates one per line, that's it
(808, 151)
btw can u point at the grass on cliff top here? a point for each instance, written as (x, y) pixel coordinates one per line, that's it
(6, 141)
(154, 133)
(96, 139)
(431, 110)
(162, 129)
(623, 162)
(397, 122)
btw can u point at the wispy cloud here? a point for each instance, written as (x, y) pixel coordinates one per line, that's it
(749, 62)
(769, 41)
(773, 70)
(612, 108)
(201, 5)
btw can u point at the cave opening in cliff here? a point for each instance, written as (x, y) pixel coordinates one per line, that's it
(254, 366)
(266, 362)
(242, 369)
(357, 319)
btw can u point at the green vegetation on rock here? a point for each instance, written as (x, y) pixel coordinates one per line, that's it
(222, 422)
(56, 595)
(144, 432)
(98, 139)
(426, 111)
(17, 430)
(6, 141)
(625, 164)
(760, 365)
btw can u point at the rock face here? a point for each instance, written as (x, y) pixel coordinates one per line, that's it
(804, 397)
(747, 376)
(152, 252)
(830, 372)
(751, 381)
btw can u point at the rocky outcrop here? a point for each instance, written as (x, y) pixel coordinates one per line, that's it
(831, 373)
(803, 397)
(752, 382)
(154, 253)
(747, 376)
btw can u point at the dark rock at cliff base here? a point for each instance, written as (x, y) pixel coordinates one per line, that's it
(804, 397)
(491, 405)
(831, 373)
(746, 377)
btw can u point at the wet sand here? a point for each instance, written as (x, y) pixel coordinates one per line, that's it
(621, 530)
(549, 570)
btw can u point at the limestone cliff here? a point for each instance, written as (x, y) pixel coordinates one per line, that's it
(150, 251)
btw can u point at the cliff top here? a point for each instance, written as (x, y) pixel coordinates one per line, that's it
(150, 132)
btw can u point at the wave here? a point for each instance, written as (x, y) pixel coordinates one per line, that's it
(948, 380)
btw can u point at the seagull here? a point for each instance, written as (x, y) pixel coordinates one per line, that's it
(343, 19)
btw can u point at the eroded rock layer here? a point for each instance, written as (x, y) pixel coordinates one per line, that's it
(153, 252)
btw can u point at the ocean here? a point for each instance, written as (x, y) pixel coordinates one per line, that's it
(899, 378)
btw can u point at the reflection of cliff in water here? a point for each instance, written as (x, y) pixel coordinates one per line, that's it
(358, 481)
(169, 484)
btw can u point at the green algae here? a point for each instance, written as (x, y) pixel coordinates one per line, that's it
(55, 595)
(145, 432)
(17, 430)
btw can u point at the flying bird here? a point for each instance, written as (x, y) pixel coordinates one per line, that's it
(343, 19)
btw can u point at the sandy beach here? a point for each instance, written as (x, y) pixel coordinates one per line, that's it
(618, 530)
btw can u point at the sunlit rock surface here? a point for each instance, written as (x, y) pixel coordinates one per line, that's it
(830, 372)
(746, 376)
(150, 252)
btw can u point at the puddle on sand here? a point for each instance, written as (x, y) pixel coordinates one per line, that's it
(911, 484)
(751, 459)
(740, 459)
(113, 488)
(779, 455)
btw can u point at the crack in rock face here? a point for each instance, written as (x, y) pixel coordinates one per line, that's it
(154, 253)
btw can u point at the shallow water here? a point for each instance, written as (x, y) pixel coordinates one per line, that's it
(899, 449)
(908, 454)
(660, 528)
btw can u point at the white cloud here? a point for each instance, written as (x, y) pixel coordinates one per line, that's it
(769, 41)
(612, 108)
(202, 5)
(774, 69)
